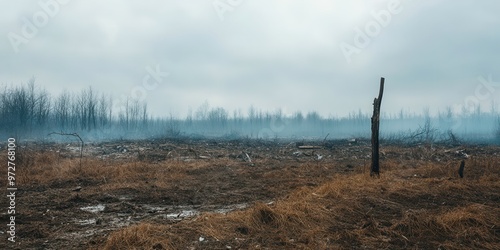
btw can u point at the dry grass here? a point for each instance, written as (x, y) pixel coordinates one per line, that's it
(48, 168)
(138, 236)
(415, 204)
(420, 208)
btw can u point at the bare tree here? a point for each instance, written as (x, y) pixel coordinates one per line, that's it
(42, 111)
(62, 110)
(375, 167)
(91, 107)
(218, 117)
(31, 99)
(102, 112)
(124, 115)
(202, 111)
(144, 115)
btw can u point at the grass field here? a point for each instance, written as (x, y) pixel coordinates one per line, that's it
(252, 194)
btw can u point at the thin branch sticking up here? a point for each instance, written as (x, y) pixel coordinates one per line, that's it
(326, 137)
(75, 135)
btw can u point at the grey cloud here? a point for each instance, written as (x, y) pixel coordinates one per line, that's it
(267, 53)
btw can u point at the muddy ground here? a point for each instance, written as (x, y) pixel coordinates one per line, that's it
(79, 211)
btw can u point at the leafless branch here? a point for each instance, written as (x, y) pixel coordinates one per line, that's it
(75, 135)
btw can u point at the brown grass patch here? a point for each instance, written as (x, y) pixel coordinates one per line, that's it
(142, 236)
(423, 207)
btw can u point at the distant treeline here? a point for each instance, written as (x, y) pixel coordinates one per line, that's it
(30, 111)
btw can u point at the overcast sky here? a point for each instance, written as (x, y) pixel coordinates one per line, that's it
(320, 55)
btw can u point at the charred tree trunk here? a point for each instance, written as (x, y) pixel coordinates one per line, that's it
(461, 169)
(375, 168)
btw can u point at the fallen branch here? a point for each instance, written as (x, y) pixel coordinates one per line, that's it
(248, 157)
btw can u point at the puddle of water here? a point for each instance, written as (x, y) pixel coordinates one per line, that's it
(77, 235)
(155, 208)
(120, 220)
(93, 209)
(86, 222)
(125, 198)
(167, 212)
(183, 214)
(230, 208)
(73, 149)
(118, 223)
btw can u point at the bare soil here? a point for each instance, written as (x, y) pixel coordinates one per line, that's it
(253, 194)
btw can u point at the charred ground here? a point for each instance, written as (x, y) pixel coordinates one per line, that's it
(257, 194)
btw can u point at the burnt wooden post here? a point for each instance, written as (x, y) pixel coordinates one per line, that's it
(375, 168)
(461, 169)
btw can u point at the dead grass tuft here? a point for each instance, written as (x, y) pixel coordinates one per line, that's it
(474, 220)
(142, 236)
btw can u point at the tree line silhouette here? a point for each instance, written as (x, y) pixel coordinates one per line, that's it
(30, 111)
